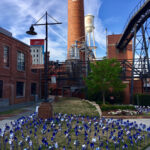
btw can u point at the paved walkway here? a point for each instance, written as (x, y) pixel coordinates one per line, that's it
(16, 106)
(139, 121)
(29, 110)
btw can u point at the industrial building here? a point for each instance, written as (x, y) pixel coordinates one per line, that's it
(17, 81)
(23, 66)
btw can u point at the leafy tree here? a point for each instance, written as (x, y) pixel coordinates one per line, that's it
(104, 76)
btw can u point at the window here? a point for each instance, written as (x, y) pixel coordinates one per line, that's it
(20, 61)
(1, 88)
(37, 50)
(34, 70)
(33, 88)
(37, 55)
(53, 79)
(6, 56)
(20, 89)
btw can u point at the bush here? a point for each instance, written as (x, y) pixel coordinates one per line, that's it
(142, 99)
(97, 97)
(116, 107)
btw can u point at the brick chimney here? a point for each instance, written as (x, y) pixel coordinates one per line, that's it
(76, 30)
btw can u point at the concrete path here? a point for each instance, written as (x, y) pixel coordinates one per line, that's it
(139, 121)
(29, 110)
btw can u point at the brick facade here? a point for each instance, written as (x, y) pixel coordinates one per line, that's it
(10, 75)
(113, 52)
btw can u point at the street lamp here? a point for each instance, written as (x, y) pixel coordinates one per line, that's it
(32, 32)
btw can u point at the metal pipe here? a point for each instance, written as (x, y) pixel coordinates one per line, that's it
(132, 73)
(46, 77)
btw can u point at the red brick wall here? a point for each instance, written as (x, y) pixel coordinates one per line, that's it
(113, 52)
(11, 75)
(137, 87)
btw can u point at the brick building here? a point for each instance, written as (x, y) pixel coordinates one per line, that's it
(17, 82)
(37, 51)
(113, 52)
(126, 54)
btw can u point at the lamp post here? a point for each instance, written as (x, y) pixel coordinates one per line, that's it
(32, 32)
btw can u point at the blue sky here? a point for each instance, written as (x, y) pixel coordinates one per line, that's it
(17, 16)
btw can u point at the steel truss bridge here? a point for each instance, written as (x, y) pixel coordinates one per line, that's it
(137, 29)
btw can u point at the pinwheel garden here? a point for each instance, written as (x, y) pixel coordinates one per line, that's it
(73, 132)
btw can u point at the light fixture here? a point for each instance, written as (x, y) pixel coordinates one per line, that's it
(31, 31)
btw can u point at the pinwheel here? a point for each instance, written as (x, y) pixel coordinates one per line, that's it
(64, 148)
(76, 143)
(107, 147)
(84, 147)
(31, 144)
(101, 144)
(20, 144)
(92, 145)
(40, 147)
(94, 140)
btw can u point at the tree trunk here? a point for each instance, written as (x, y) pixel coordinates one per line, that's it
(103, 93)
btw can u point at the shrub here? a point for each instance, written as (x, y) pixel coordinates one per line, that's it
(142, 99)
(97, 97)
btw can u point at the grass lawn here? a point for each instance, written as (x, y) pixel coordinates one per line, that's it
(13, 112)
(74, 106)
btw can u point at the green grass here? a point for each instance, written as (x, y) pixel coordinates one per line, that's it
(74, 106)
(13, 111)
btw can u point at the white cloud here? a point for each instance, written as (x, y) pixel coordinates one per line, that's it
(18, 15)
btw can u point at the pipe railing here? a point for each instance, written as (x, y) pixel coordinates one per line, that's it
(133, 12)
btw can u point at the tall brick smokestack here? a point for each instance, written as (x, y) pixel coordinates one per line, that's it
(76, 30)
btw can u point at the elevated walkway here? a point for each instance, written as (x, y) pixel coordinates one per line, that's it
(137, 17)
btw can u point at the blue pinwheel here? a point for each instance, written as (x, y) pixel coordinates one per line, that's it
(92, 145)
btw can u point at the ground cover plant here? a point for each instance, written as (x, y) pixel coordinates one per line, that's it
(73, 132)
(125, 110)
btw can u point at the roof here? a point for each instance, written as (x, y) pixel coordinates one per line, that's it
(9, 35)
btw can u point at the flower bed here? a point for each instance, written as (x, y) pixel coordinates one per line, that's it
(124, 112)
(73, 132)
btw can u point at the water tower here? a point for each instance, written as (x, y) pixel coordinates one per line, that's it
(89, 32)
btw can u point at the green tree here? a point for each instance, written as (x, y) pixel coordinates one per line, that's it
(104, 76)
